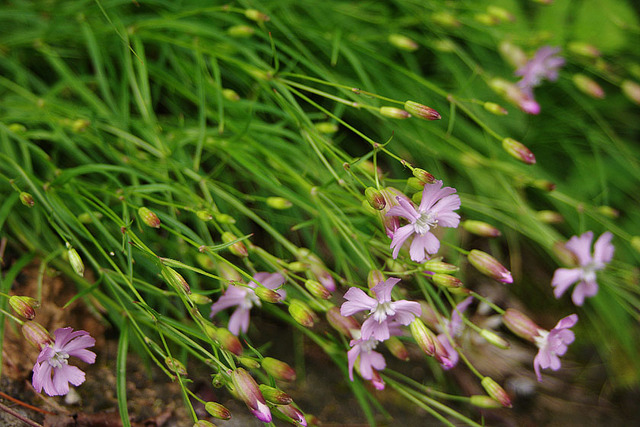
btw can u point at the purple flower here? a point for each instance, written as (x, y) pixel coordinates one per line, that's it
(53, 358)
(244, 298)
(585, 274)
(383, 313)
(454, 329)
(544, 65)
(370, 360)
(436, 208)
(553, 344)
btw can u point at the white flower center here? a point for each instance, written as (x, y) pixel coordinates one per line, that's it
(58, 359)
(425, 222)
(250, 299)
(368, 345)
(589, 271)
(541, 338)
(382, 311)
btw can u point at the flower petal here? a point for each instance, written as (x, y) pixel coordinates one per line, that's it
(581, 247)
(563, 278)
(357, 301)
(603, 249)
(399, 237)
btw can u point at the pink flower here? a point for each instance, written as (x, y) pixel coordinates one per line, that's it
(53, 358)
(245, 298)
(544, 65)
(436, 208)
(553, 344)
(370, 360)
(454, 328)
(383, 313)
(585, 274)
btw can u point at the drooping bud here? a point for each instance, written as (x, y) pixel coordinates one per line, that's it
(518, 150)
(278, 369)
(256, 15)
(247, 390)
(302, 313)
(175, 365)
(199, 299)
(480, 228)
(375, 198)
(27, 199)
(238, 248)
(583, 49)
(446, 280)
(482, 401)
(397, 348)
(75, 260)
(437, 266)
(226, 339)
(217, 410)
(394, 113)
(241, 31)
(279, 203)
(588, 86)
(423, 176)
(423, 337)
(494, 339)
(520, 324)
(175, 280)
(230, 95)
(549, 217)
(294, 414)
(422, 111)
(631, 90)
(317, 290)
(494, 108)
(403, 42)
(24, 306)
(36, 334)
(342, 324)
(494, 390)
(149, 218)
(274, 395)
(374, 277)
(267, 295)
(489, 266)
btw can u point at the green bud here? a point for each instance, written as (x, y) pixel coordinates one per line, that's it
(327, 128)
(494, 339)
(204, 215)
(583, 49)
(445, 19)
(278, 369)
(631, 90)
(422, 111)
(549, 217)
(27, 199)
(446, 281)
(279, 203)
(635, 243)
(480, 228)
(218, 411)
(149, 218)
(249, 363)
(495, 391)
(238, 248)
(375, 198)
(588, 86)
(500, 13)
(482, 401)
(397, 348)
(240, 31)
(256, 15)
(608, 211)
(437, 266)
(317, 289)
(403, 42)
(301, 313)
(175, 280)
(423, 337)
(230, 94)
(520, 325)
(494, 108)
(24, 306)
(175, 365)
(518, 150)
(394, 113)
(267, 295)
(275, 396)
(199, 299)
(343, 324)
(75, 260)
(423, 176)
(36, 334)
(203, 423)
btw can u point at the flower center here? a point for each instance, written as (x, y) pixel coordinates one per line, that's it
(58, 359)
(382, 311)
(589, 271)
(425, 222)
(541, 338)
(250, 299)
(368, 345)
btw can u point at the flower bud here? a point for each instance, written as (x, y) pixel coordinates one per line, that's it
(583, 49)
(301, 313)
(175, 365)
(446, 281)
(423, 176)
(204, 215)
(256, 15)
(480, 228)
(374, 277)
(397, 348)
(520, 324)
(635, 243)
(445, 19)
(437, 266)
(494, 108)
(199, 299)
(494, 339)
(565, 256)
(394, 113)
(317, 268)
(423, 337)
(495, 391)
(203, 423)
(226, 339)
(513, 54)
(518, 150)
(294, 414)
(608, 211)
(588, 86)
(222, 218)
(317, 290)
(27, 199)
(275, 396)
(327, 128)
(75, 260)
(238, 248)
(414, 184)
(543, 184)
(175, 280)
(403, 42)
(24, 306)
(267, 295)
(421, 111)
(218, 411)
(247, 390)
(482, 401)
(375, 198)
(279, 203)
(149, 218)
(36, 334)
(486, 19)
(230, 95)
(428, 315)
(248, 362)
(278, 369)
(240, 31)
(489, 266)
(549, 217)
(340, 323)
(297, 266)
(500, 13)
(631, 90)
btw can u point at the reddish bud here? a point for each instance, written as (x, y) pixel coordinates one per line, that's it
(24, 306)
(495, 391)
(446, 281)
(247, 390)
(342, 324)
(423, 176)
(374, 277)
(588, 86)
(237, 247)
(218, 411)
(421, 111)
(148, 217)
(403, 42)
(36, 334)
(301, 313)
(423, 337)
(175, 365)
(518, 150)
(27, 199)
(275, 396)
(397, 348)
(278, 369)
(317, 290)
(294, 414)
(489, 266)
(375, 198)
(480, 228)
(520, 324)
